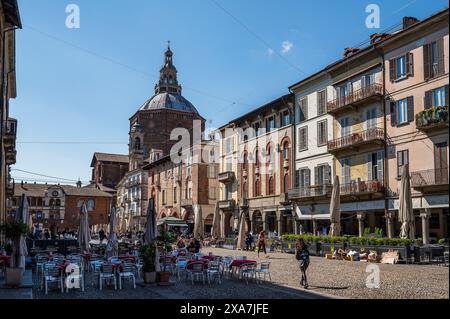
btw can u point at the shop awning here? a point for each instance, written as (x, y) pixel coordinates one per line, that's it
(172, 222)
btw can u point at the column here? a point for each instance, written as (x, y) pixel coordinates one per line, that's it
(222, 224)
(314, 227)
(296, 231)
(265, 222)
(280, 223)
(390, 215)
(361, 217)
(425, 216)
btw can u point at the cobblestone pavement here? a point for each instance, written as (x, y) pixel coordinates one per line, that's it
(326, 278)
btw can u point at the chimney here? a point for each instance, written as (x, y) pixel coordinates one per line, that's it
(350, 51)
(79, 184)
(409, 21)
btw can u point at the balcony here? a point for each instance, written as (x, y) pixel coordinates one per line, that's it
(432, 119)
(10, 156)
(185, 202)
(10, 133)
(133, 183)
(361, 188)
(429, 178)
(354, 140)
(227, 204)
(226, 177)
(367, 94)
(311, 192)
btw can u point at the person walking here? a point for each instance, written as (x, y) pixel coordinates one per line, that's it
(262, 243)
(248, 242)
(302, 256)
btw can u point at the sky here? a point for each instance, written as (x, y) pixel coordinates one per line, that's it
(78, 87)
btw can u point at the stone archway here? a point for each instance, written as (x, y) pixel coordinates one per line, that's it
(272, 221)
(208, 223)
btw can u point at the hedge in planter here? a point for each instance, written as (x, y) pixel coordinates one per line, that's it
(351, 240)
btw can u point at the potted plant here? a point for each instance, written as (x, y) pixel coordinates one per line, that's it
(13, 230)
(148, 253)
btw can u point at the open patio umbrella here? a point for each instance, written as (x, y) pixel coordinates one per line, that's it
(241, 236)
(112, 248)
(405, 209)
(198, 221)
(150, 230)
(84, 236)
(335, 209)
(20, 245)
(215, 231)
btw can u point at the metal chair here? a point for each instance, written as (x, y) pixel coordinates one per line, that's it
(263, 269)
(107, 274)
(168, 264)
(53, 275)
(181, 267)
(127, 272)
(247, 271)
(197, 271)
(213, 271)
(226, 265)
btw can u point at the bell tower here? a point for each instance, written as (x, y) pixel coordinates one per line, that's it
(136, 147)
(168, 82)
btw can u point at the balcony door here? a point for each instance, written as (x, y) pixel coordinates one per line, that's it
(371, 118)
(440, 163)
(345, 164)
(345, 126)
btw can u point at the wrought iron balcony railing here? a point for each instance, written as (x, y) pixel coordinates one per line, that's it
(355, 98)
(361, 188)
(372, 135)
(431, 177)
(311, 191)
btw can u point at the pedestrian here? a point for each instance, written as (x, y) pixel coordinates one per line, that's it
(302, 256)
(101, 235)
(262, 243)
(248, 242)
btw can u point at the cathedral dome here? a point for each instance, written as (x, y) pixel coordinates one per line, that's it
(169, 101)
(168, 91)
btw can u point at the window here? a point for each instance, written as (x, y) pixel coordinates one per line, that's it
(91, 205)
(375, 163)
(212, 192)
(175, 195)
(401, 67)
(286, 118)
(371, 118)
(322, 133)
(367, 80)
(229, 147)
(164, 197)
(286, 151)
(345, 164)
(190, 193)
(304, 180)
(433, 57)
(229, 164)
(322, 102)
(257, 189)
(270, 124)
(402, 111)
(402, 159)
(303, 109)
(256, 127)
(322, 175)
(228, 192)
(303, 138)
(212, 171)
(271, 186)
(345, 126)
(437, 97)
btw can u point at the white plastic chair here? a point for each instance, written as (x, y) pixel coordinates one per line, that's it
(247, 271)
(196, 272)
(213, 271)
(181, 267)
(126, 272)
(52, 275)
(264, 270)
(107, 274)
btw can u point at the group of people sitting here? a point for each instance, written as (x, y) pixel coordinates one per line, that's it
(190, 243)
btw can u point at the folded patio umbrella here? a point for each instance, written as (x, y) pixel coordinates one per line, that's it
(112, 248)
(84, 236)
(335, 209)
(198, 221)
(215, 231)
(405, 209)
(20, 245)
(241, 235)
(150, 230)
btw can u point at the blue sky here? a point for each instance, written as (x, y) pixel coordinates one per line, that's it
(82, 85)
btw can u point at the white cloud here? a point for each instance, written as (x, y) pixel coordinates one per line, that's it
(270, 51)
(286, 47)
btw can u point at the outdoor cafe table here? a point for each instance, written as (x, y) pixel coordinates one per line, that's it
(128, 257)
(192, 262)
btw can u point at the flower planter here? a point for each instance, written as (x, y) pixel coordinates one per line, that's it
(14, 277)
(149, 277)
(164, 276)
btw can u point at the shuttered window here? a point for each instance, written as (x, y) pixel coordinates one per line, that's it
(401, 67)
(303, 138)
(322, 175)
(303, 109)
(404, 111)
(321, 102)
(305, 177)
(322, 133)
(433, 59)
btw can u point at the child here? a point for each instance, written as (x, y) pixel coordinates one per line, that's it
(302, 256)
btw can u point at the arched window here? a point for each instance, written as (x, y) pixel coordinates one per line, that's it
(137, 143)
(271, 186)
(58, 203)
(257, 188)
(286, 151)
(257, 158)
(52, 202)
